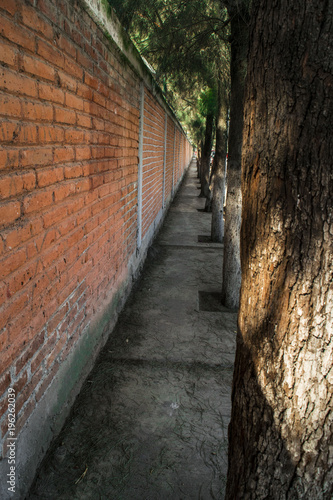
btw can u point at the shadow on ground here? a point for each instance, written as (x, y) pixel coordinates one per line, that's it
(151, 420)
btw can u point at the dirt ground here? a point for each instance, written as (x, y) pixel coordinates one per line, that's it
(151, 420)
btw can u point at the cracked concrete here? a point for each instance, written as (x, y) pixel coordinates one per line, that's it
(151, 420)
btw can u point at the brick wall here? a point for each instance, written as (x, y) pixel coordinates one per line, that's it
(153, 157)
(69, 146)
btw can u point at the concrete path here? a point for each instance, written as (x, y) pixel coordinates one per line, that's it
(151, 420)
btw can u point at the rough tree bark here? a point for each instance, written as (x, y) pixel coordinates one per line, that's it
(238, 12)
(281, 432)
(218, 180)
(205, 155)
(200, 146)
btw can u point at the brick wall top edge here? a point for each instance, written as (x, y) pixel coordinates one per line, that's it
(106, 18)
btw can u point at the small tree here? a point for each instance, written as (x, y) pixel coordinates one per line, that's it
(239, 14)
(218, 174)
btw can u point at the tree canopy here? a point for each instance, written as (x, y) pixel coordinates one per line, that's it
(187, 44)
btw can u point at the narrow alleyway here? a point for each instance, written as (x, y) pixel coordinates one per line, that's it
(151, 420)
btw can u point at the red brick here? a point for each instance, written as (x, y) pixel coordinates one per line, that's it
(74, 205)
(99, 99)
(10, 105)
(90, 50)
(49, 93)
(49, 133)
(23, 134)
(3, 158)
(73, 171)
(10, 353)
(50, 238)
(73, 69)
(12, 185)
(43, 352)
(74, 34)
(67, 82)
(8, 131)
(20, 383)
(18, 235)
(30, 350)
(37, 67)
(8, 54)
(83, 216)
(12, 262)
(37, 111)
(49, 176)
(56, 351)
(65, 116)
(37, 201)
(28, 390)
(54, 216)
(95, 110)
(98, 124)
(9, 212)
(3, 409)
(100, 47)
(82, 153)
(57, 318)
(82, 185)
(33, 247)
(91, 81)
(73, 101)
(83, 120)
(20, 278)
(36, 156)
(49, 9)
(33, 20)
(101, 75)
(84, 91)
(74, 136)
(63, 154)
(16, 34)
(63, 191)
(53, 254)
(65, 44)
(5, 382)
(84, 61)
(10, 6)
(40, 289)
(50, 53)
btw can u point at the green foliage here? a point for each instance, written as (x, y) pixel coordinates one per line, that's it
(208, 102)
(186, 42)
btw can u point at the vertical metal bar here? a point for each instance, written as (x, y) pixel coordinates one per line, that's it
(164, 157)
(140, 165)
(173, 163)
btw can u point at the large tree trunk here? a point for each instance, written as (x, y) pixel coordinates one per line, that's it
(205, 155)
(218, 175)
(281, 432)
(231, 281)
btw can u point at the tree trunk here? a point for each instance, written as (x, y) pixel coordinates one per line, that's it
(231, 260)
(199, 160)
(218, 180)
(281, 432)
(205, 155)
